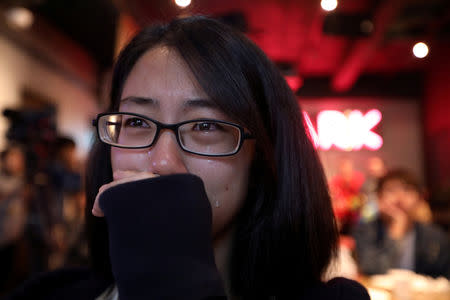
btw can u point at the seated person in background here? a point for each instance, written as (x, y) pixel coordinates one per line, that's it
(395, 239)
(13, 217)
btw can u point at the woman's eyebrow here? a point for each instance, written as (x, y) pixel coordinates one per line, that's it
(199, 103)
(140, 101)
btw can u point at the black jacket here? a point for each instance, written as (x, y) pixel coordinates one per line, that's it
(377, 254)
(160, 248)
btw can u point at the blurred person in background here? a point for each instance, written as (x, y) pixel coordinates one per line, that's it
(376, 168)
(68, 204)
(35, 131)
(13, 216)
(396, 239)
(75, 248)
(345, 189)
(49, 173)
(65, 173)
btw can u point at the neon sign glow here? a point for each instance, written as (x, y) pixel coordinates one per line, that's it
(346, 131)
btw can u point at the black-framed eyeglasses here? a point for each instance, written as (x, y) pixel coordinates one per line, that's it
(207, 137)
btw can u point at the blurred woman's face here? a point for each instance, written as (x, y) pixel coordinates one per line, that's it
(162, 76)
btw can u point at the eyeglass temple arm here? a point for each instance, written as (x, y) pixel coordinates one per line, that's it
(247, 136)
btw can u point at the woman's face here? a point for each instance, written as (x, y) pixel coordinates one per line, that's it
(162, 76)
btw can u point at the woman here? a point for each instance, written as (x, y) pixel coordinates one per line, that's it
(195, 97)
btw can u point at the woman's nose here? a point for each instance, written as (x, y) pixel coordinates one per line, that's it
(165, 156)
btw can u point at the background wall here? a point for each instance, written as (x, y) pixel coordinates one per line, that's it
(437, 118)
(400, 128)
(76, 104)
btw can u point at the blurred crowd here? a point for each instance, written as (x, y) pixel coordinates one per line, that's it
(41, 205)
(385, 223)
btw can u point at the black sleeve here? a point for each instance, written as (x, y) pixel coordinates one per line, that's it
(160, 239)
(338, 288)
(346, 289)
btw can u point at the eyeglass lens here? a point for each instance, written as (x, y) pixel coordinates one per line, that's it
(203, 137)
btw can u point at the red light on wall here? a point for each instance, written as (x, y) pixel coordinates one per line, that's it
(349, 132)
(294, 82)
(312, 132)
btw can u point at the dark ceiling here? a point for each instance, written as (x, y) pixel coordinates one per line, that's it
(90, 23)
(362, 37)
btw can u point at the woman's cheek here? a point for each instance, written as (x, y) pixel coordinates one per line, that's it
(129, 159)
(226, 205)
(226, 187)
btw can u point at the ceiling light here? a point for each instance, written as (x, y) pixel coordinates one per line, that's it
(182, 3)
(329, 5)
(20, 17)
(420, 50)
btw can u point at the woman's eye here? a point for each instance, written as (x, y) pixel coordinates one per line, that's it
(136, 122)
(206, 126)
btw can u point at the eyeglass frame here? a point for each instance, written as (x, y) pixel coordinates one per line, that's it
(174, 128)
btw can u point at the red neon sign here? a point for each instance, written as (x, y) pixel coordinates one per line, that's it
(348, 132)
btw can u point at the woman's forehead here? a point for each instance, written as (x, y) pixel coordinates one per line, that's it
(163, 81)
(160, 73)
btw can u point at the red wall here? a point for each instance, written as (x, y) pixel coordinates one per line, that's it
(437, 118)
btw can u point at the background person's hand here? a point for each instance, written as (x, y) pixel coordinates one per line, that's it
(400, 224)
(398, 220)
(119, 177)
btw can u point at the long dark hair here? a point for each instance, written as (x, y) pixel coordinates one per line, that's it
(285, 233)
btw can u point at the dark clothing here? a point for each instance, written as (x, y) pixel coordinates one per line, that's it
(160, 248)
(82, 284)
(64, 284)
(63, 182)
(377, 253)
